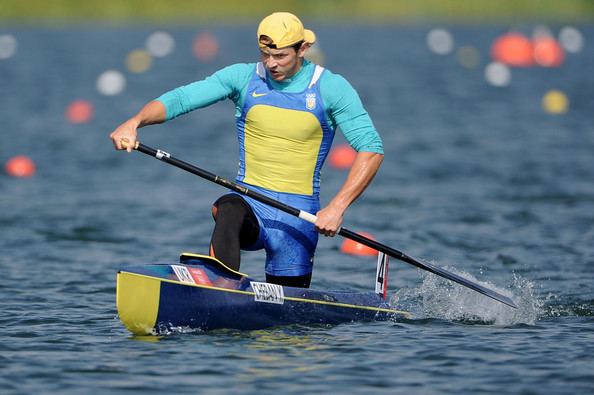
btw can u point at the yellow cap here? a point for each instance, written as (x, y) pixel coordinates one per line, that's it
(284, 29)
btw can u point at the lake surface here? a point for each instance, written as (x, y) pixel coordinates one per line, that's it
(477, 179)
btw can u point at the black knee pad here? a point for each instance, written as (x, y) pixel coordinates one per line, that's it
(233, 212)
(233, 206)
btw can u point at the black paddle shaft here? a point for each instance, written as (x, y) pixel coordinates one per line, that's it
(166, 157)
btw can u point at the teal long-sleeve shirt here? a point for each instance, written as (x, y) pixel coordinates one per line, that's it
(342, 103)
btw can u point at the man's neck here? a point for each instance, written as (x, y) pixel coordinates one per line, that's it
(290, 79)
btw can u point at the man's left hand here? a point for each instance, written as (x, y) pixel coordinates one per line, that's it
(329, 221)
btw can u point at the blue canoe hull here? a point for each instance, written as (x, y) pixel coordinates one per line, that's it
(201, 293)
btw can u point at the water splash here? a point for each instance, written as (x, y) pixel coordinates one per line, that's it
(439, 298)
(169, 329)
(556, 306)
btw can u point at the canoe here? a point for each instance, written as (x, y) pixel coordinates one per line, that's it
(201, 293)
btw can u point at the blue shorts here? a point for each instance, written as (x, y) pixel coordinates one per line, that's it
(289, 241)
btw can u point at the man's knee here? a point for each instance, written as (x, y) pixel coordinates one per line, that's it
(233, 214)
(232, 206)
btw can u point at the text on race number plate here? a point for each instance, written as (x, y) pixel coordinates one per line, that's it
(268, 293)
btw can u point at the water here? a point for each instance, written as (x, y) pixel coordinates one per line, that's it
(476, 179)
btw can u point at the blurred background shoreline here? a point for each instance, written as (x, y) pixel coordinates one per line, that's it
(58, 12)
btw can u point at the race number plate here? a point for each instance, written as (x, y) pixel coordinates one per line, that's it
(268, 293)
(183, 274)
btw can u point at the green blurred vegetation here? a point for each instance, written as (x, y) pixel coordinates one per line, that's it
(393, 11)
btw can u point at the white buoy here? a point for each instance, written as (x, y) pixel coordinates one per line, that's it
(8, 46)
(111, 83)
(571, 39)
(497, 74)
(440, 41)
(160, 44)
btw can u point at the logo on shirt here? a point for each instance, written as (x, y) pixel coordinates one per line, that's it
(254, 94)
(310, 101)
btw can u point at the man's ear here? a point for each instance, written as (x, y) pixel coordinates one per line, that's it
(304, 47)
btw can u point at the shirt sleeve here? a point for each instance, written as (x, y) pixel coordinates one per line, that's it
(345, 110)
(227, 83)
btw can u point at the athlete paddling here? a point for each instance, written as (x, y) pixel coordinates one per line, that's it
(287, 110)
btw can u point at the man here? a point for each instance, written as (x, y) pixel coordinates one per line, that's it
(287, 110)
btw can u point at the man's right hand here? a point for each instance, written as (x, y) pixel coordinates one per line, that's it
(125, 135)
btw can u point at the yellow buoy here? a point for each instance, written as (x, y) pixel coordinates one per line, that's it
(139, 61)
(468, 57)
(555, 102)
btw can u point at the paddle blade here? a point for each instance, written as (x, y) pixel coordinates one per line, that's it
(427, 266)
(469, 284)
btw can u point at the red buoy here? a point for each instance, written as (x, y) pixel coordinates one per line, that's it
(20, 166)
(355, 248)
(79, 111)
(342, 156)
(548, 52)
(205, 47)
(513, 49)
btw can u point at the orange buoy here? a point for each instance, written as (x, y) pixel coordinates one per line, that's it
(354, 248)
(548, 52)
(513, 49)
(20, 166)
(79, 111)
(342, 156)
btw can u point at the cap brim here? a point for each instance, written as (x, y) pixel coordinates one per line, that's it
(309, 36)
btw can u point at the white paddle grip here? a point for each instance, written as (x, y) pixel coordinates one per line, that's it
(308, 217)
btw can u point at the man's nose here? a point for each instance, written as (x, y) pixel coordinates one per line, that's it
(269, 62)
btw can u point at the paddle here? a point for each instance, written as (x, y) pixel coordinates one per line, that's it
(166, 157)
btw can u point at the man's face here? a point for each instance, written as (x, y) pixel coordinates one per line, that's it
(281, 63)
